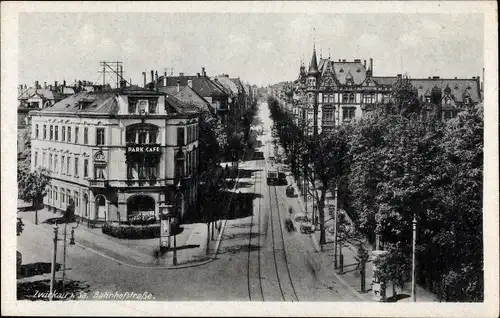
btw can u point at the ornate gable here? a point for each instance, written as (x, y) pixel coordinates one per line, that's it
(328, 80)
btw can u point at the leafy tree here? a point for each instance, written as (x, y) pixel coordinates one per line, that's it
(19, 226)
(24, 162)
(33, 188)
(393, 267)
(362, 257)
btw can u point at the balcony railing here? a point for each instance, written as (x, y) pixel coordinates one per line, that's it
(96, 183)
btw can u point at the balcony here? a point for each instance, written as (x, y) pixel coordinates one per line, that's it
(97, 183)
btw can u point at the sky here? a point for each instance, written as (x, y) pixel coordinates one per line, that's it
(260, 48)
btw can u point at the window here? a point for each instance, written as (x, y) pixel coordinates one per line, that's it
(100, 136)
(44, 131)
(62, 164)
(447, 100)
(152, 137)
(328, 115)
(50, 162)
(368, 98)
(85, 135)
(55, 193)
(143, 106)
(180, 136)
(99, 172)
(55, 163)
(62, 197)
(36, 159)
(142, 137)
(448, 114)
(77, 199)
(348, 113)
(77, 130)
(63, 133)
(152, 106)
(85, 168)
(51, 132)
(467, 100)
(43, 160)
(36, 131)
(132, 106)
(69, 134)
(56, 135)
(68, 167)
(76, 167)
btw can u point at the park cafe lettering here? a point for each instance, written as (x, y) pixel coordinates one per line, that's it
(143, 149)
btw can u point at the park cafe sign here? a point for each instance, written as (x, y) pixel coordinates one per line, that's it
(143, 148)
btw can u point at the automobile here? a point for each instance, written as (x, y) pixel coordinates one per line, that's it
(307, 228)
(290, 191)
(282, 178)
(272, 177)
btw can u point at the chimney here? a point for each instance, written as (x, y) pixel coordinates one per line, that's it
(55, 84)
(343, 60)
(473, 77)
(121, 71)
(455, 77)
(44, 84)
(144, 75)
(50, 86)
(178, 85)
(435, 77)
(198, 75)
(190, 83)
(203, 73)
(123, 83)
(371, 65)
(156, 76)
(64, 83)
(36, 84)
(165, 79)
(152, 76)
(364, 63)
(399, 75)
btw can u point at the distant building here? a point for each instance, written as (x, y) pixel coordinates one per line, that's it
(118, 153)
(332, 92)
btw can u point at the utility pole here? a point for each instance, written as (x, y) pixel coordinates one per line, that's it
(413, 269)
(54, 263)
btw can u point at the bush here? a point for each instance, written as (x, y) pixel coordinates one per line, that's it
(141, 219)
(125, 231)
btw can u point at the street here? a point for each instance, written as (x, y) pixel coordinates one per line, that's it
(258, 260)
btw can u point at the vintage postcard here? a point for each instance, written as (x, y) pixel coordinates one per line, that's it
(250, 158)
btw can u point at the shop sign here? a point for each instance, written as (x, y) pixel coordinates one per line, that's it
(143, 148)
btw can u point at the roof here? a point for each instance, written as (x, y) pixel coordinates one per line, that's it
(45, 93)
(356, 69)
(228, 84)
(177, 106)
(459, 87)
(188, 95)
(385, 80)
(202, 85)
(238, 83)
(313, 67)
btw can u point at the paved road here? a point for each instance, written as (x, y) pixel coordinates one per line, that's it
(258, 260)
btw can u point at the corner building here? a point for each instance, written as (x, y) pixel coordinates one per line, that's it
(118, 153)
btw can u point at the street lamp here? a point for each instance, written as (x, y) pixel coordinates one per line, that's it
(178, 195)
(335, 217)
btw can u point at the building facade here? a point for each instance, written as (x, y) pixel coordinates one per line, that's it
(118, 153)
(332, 92)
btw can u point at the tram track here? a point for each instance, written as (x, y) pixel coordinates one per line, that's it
(257, 177)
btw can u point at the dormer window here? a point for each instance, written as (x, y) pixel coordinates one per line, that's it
(467, 100)
(447, 100)
(341, 70)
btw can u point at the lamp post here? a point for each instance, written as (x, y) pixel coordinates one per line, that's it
(54, 262)
(178, 206)
(413, 267)
(71, 242)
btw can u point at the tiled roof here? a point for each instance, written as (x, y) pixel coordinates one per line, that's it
(45, 93)
(180, 107)
(385, 80)
(356, 69)
(103, 102)
(228, 84)
(459, 87)
(322, 63)
(238, 84)
(202, 85)
(189, 96)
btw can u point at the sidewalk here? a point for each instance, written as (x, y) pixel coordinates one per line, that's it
(350, 276)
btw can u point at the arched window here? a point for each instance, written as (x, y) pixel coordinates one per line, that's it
(142, 134)
(179, 164)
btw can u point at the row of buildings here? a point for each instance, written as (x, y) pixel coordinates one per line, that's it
(120, 152)
(330, 92)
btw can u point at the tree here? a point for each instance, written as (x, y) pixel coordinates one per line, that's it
(362, 257)
(33, 188)
(393, 267)
(19, 226)
(24, 160)
(328, 162)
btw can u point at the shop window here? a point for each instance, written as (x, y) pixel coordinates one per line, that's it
(152, 136)
(143, 135)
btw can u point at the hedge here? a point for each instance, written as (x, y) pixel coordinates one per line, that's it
(131, 231)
